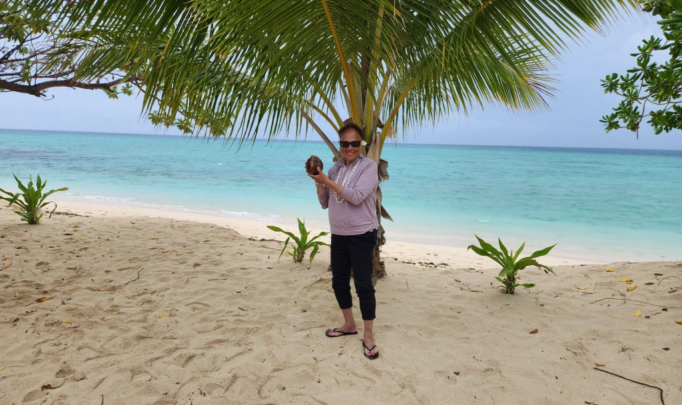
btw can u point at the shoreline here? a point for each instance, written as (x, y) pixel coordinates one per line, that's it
(594, 249)
(591, 218)
(394, 250)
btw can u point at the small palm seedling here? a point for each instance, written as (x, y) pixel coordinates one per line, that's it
(510, 262)
(301, 243)
(625, 349)
(31, 200)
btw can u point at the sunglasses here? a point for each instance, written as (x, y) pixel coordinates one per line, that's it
(355, 144)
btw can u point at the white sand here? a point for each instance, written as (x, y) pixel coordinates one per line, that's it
(243, 328)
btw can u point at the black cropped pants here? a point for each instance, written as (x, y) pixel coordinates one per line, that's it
(356, 252)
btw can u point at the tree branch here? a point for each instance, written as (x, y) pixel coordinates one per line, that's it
(38, 89)
(10, 52)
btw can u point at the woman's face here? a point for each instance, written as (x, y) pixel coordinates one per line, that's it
(350, 153)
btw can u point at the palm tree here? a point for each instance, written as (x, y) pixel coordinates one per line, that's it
(270, 66)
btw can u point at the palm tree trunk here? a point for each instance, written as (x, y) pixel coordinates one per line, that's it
(374, 153)
(378, 267)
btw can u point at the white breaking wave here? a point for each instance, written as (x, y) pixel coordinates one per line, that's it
(132, 202)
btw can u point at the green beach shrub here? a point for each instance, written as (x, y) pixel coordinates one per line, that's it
(510, 262)
(31, 200)
(301, 243)
(651, 90)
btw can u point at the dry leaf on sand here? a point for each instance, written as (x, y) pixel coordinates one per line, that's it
(648, 283)
(581, 288)
(600, 364)
(163, 316)
(1, 368)
(43, 299)
(68, 321)
(678, 322)
(625, 280)
(638, 313)
(153, 238)
(534, 331)
(610, 270)
(7, 258)
(632, 287)
(130, 297)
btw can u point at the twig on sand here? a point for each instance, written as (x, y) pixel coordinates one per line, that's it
(68, 214)
(467, 288)
(102, 403)
(659, 282)
(138, 277)
(636, 382)
(626, 300)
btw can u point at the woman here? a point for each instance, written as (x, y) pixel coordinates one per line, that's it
(350, 195)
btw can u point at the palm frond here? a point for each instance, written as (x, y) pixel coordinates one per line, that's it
(405, 61)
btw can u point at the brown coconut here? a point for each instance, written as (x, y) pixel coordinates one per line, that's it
(312, 163)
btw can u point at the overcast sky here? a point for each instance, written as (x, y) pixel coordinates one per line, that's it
(571, 121)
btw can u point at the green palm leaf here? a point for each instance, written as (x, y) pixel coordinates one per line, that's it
(301, 243)
(31, 200)
(441, 54)
(510, 262)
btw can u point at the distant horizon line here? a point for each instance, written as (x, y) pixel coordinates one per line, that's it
(320, 141)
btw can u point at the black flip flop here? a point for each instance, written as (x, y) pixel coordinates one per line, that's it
(342, 333)
(371, 357)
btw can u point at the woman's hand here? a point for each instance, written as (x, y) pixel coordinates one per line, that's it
(320, 177)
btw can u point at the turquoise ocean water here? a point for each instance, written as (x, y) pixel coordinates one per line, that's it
(602, 204)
